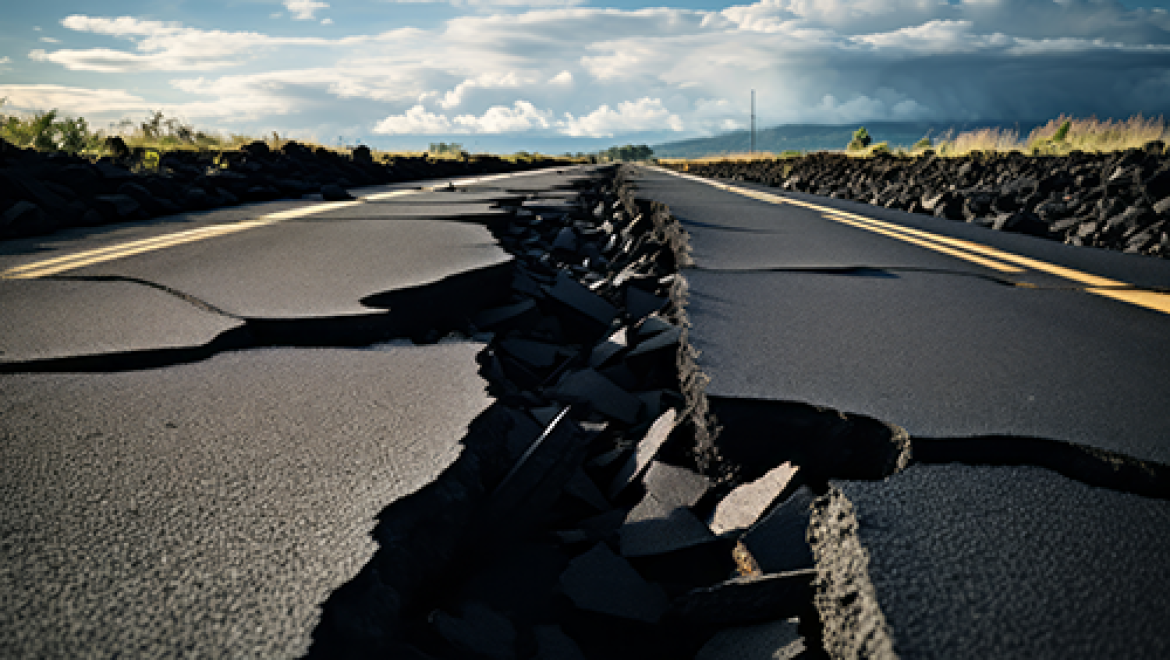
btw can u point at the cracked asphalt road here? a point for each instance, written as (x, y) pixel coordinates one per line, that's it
(945, 353)
(966, 561)
(208, 509)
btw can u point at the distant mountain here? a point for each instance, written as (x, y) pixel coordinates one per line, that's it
(818, 137)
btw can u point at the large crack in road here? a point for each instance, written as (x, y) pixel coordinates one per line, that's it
(604, 506)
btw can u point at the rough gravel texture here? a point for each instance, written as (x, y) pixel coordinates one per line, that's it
(207, 510)
(997, 562)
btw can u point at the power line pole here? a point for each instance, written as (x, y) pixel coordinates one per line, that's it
(752, 149)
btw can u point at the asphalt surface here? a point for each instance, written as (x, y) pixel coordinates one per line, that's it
(1015, 562)
(948, 353)
(207, 509)
(965, 561)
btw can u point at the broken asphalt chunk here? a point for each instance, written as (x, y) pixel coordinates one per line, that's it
(578, 297)
(608, 348)
(602, 394)
(665, 339)
(553, 644)
(744, 505)
(640, 304)
(600, 581)
(656, 527)
(675, 485)
(774, 640)
(479, 632)
(652, 325)
(745, 600)
(566, 240)
(645, 452)
(538, 477)
(778, 541)
(532, 353)
(523, 282)
(582, 487)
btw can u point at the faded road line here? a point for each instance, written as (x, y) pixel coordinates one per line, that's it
(69, 262)
(978, 253)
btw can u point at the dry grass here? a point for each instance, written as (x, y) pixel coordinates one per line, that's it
(742, 157)
(1090, 135)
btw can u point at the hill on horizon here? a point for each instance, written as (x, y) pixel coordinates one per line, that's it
(823, 137)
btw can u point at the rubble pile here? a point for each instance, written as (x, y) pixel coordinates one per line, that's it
(1118, 201)
(43, 192)
(595, 517)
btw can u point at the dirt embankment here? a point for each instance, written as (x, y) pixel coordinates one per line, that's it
(41, 193)
(1118, 201)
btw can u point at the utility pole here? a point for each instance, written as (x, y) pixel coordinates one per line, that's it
(752, 149)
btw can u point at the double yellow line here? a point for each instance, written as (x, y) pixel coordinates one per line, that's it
(68, 262)
(977, 253)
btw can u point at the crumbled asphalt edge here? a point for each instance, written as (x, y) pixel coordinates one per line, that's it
(830, 445)
(692, 381)
(430, 542)
(1117, 201)
(422, 537)
(422, 314)
(1089, 465)
(853, 625)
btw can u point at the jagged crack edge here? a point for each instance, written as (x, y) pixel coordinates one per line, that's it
(853, 624)
(1089, 465)
(443, 305)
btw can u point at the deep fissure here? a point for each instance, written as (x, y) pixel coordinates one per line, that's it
(442, 541)
(528, 492)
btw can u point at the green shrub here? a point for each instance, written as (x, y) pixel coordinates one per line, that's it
(861, 140)
(1062, 132)
(923, 144)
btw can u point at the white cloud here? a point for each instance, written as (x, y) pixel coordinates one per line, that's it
(642, 115)
(595, 72)
(71, 100)
(506, 80)
(645, 114)
(327, 21)
(415, 121)
(50, 40)
(304, 10)
(163, 46)
(522, 116)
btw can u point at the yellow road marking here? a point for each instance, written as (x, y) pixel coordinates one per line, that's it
(921, 242)
(377, 197)
(968, 250)
(68, 262)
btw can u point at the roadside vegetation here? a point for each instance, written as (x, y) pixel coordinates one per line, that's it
(157, 133)
(627, 153)
(1058, 137)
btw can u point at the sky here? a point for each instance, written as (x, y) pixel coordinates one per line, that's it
(579, 75)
